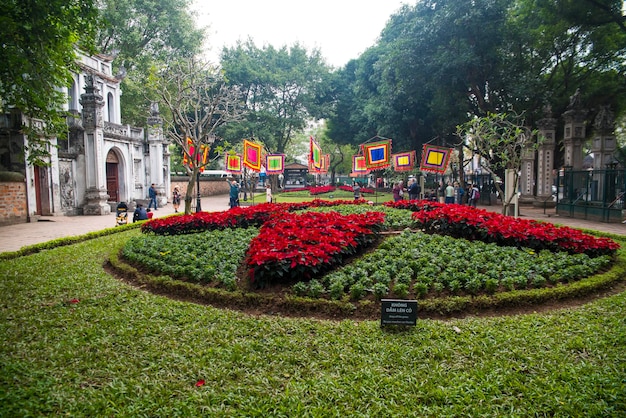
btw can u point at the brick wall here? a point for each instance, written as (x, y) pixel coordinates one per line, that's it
(13, 203)
(208, 187)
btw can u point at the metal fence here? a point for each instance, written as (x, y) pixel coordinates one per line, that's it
(591, 194)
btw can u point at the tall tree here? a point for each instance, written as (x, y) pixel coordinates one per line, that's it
(199, 101)
(440, 61)
(144, 34)
(500, 139)
(37, 55)
(283, 89)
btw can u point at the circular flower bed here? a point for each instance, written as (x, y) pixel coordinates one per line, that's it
(350, 252)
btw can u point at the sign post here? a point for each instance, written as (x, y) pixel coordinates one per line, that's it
(398, 312)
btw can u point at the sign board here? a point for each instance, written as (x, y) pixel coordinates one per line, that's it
(398, 312)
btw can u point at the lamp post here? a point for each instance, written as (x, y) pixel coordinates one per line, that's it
(201, 161)
(198, 200)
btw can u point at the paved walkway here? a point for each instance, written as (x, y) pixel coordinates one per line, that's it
(14, 237)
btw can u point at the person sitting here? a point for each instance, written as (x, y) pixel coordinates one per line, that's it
(140, 213)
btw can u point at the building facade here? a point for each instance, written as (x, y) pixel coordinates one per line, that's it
(100, 162)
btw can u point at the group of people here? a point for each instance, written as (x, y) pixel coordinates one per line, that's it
(413, 189)
(141, 213)
(454, 193)
(448, 192)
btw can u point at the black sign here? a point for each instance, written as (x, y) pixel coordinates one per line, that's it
(398, 312)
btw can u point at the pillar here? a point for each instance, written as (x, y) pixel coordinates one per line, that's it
(96, 197)
(603, 147)
(158, 170)
(545, 159)
(574, 135)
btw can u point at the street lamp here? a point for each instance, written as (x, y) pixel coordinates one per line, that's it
(202, 155)
(198, 201)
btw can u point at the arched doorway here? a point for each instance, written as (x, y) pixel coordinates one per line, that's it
(112, 169)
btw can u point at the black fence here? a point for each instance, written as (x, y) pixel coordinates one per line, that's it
(591, 194)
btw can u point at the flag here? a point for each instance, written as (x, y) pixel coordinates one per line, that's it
(377, 154)
(358, 165)
(201, 156)
(325, 163)
(404, 161)
(252, 155)
(233, 163)
(275, 163)
(315, 155)
(435, 158)
(188, 156)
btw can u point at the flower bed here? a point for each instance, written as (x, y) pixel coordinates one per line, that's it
(462, 221)
(365, 190)
(321, 190)
(238, 217)
(302, 247)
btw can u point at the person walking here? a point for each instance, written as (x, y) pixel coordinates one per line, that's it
(176, 198)
(234, 194)
(357, 190)
(458, 193)
(449, 191)
(152, 194)
(473, 195)
(268, 193)
(414, 189)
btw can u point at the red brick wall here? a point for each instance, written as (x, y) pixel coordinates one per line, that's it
(13, 203)
(208, 187)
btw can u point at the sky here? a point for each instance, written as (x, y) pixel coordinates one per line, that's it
(340, 29)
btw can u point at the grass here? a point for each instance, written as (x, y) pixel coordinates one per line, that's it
(78, 342)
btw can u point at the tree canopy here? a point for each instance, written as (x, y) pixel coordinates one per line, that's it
(199, 102)
(439, 63)
(38, 52)
(283, 89)
(141, 35)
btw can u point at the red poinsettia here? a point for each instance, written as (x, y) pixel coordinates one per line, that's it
(467, 222)
(300, 245)
(321, 190)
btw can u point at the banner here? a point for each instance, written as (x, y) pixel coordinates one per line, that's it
(403, 161)
(325, 163)
(188, 158)
(193, 158)
(435, 159)
(358, 165)
(201, 156)
(233, 163)
(377, 154)
(315, 155)
(275, 163)
(252, 155)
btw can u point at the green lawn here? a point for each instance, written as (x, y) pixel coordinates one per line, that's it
(78, 342)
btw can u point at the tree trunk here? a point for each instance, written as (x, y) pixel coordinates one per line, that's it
(190, 191)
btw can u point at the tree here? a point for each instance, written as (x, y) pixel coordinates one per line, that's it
(38, 52)
(283, 89)
(500, 139)
(145, 34)
(439, 61)
(199, 101)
